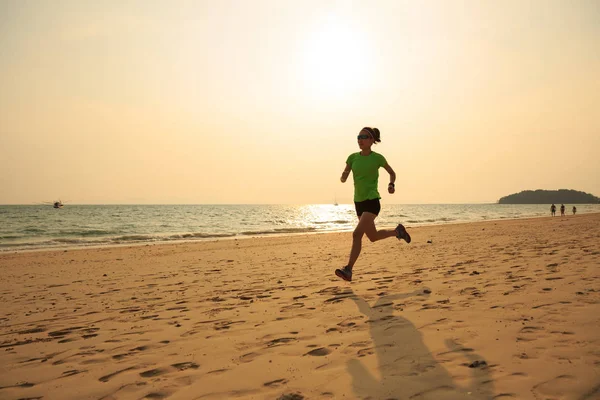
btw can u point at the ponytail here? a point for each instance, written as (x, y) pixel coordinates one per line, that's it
(374, 132)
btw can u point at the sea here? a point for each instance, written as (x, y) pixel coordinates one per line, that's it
(34, 227)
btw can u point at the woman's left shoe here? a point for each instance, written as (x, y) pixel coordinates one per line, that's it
(401, 233)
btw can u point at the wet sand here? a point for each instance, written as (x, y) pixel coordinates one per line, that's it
(490, 310)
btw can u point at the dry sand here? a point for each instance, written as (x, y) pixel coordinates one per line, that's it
(491, 310)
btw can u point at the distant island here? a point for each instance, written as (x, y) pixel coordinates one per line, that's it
(561, 196)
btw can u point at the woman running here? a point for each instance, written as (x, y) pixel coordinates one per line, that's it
(365, 171)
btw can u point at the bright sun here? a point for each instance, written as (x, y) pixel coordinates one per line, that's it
(337, 58)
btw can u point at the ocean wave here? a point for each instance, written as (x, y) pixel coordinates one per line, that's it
(337, 221)
(33, 230)
(134, 239)
(170, 237)
(200, 235)
(24, 245)
(56, 242)
(87, 232)
(10, 237)
(431, 220)
(295, 230)
(29, 227)
(279, 231)
(75, 241)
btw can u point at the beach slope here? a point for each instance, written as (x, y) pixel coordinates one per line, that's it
(492, 310)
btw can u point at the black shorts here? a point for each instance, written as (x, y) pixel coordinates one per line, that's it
(373, 206)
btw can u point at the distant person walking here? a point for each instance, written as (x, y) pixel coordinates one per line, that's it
(365, 171)
(553, 209)
(562, 210)
(574, 210)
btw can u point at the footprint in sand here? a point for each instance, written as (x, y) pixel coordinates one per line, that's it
(140, 348)
(156, 395)
(185, 365)
(337, 299)
(248, 357)
(291, 396)
(519, 374)
(218, 371)
(179, 308)
(525, 356)
(225, 324)
(275, 383)
(530, 333)
(88, 336)
(292, 307)
(563, 332)
(348, 323)
(360, 344)
(443, 391)
(153, 372)
(60, 334)
(93, 361)
(562, 385)
(320, 352)
(280, 341)
(22, 384)
(29, 331)
(366, 352)
(108, 377)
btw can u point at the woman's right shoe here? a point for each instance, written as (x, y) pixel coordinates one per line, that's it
(344, 273)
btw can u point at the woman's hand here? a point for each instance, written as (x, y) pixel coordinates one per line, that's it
(391, 188)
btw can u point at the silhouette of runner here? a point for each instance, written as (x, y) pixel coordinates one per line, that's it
(405, 364)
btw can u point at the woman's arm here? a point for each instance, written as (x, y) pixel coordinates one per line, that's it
(345, 173)
(391, 186)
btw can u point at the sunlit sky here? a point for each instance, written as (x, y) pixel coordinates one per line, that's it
(261, 101)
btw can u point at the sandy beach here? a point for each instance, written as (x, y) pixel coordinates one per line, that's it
(492, 310)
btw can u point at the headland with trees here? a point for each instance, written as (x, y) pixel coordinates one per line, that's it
(561, 196)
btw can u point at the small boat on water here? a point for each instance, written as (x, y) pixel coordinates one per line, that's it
(54, 204)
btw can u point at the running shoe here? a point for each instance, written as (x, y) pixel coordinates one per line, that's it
(401, 233)
(344, 273)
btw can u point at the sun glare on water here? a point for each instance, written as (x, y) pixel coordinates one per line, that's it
(336, 58)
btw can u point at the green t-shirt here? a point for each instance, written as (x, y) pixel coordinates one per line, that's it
(365, 170)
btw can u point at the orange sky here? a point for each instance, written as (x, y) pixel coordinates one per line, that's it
(261, 101)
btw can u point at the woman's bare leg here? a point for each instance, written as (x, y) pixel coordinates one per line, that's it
(366, 226)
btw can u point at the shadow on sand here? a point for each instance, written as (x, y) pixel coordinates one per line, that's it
(406, 367)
